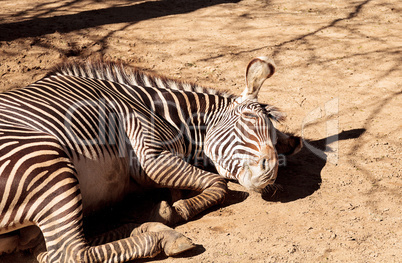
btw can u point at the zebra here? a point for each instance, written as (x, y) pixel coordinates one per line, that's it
(89, 133)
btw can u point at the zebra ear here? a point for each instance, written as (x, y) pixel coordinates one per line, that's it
(288, 144)
(258, 70)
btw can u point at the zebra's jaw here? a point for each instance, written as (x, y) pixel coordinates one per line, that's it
(255, 179)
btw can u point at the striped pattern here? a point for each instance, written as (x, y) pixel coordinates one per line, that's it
(104, 123)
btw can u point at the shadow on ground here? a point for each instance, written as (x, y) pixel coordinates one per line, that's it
(301, 176)
(199, 249)
(131, 13)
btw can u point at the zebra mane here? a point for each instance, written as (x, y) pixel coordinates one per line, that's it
(117, 72)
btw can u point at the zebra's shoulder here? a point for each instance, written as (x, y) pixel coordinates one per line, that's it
(129, 75)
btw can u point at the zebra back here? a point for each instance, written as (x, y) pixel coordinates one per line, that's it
(133, 76)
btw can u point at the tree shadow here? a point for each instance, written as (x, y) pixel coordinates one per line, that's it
(301, 176)
(132, 13)
(305, 39)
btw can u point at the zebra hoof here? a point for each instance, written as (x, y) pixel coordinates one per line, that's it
(150, 227)
(176, 243)
(182, 209)
(165, 214)
(157, 227)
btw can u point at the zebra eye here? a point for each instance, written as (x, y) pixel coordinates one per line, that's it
(249, 115)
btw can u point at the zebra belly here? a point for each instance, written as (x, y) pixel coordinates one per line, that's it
(103, 181)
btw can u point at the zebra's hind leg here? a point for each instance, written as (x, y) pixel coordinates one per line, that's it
(65, 242)
(144, 245)
(63, 233)
(130, 229)
(175, 242)
(146, 240)
(58, 212)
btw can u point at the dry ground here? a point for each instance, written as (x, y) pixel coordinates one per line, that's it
(338, 79)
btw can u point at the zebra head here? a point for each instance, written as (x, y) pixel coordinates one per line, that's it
(241, 144)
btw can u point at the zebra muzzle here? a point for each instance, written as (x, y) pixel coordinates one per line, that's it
(257, 176)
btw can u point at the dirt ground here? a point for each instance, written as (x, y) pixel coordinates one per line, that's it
(338, 79)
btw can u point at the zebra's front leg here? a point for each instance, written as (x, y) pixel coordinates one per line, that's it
(213, 195)
(178, 174)
(167, 170)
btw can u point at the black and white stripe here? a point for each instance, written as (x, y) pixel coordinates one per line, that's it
(67, 130)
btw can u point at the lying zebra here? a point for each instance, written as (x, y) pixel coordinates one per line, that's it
(88, 134)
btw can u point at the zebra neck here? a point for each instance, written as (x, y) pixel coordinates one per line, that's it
(191, 113)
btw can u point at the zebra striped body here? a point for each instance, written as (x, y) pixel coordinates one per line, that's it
(87, 135)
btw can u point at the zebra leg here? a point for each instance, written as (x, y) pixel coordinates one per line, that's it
(213, 195)
(145, 245)
(112, 235)
(172, 242)
(125, 231)
(65, 241)
(167, 170)
(180, 175)
(164, 213)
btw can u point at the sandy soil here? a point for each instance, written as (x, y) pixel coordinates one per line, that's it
(338, 79)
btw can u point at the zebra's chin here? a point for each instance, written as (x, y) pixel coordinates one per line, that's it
(252, 177)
